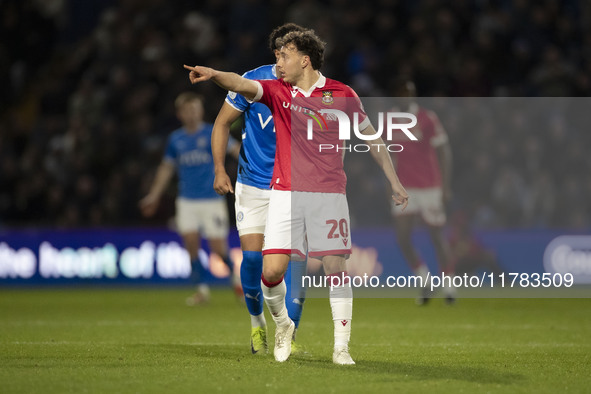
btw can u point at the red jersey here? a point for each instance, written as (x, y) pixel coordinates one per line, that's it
(417, 164)
(300, 164)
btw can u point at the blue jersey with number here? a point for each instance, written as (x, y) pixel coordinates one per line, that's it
(257, 153)
(191, 154)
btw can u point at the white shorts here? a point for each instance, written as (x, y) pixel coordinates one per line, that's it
(251, 206)
(300, 221)
(426, 202)
(208, 217)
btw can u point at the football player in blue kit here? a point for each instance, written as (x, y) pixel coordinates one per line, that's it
(200, 211)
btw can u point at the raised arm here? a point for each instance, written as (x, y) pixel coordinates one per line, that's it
(219, 142)
(382, 157)
(226, 80)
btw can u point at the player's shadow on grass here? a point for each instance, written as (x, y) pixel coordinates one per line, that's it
(390, 371)
(393, 370)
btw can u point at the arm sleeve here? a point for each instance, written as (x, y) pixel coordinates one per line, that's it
(170, 153)
(237, 101)
(265, 87)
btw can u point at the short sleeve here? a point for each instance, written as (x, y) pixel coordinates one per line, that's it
(265, 87)
(237, 101)
(170, 154)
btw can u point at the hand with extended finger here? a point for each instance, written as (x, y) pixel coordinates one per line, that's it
(199, 74)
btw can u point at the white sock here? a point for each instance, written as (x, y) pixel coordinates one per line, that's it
(275, 300)
(258, 321)
(341, 304)
(203, 289)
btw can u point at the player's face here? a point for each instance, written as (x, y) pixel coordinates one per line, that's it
(190, 113)
(290, 64)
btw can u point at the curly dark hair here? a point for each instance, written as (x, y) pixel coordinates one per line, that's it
(308, 43)
(280, 31)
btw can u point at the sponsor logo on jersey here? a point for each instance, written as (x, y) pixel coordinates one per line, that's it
(194, 158)
(317, 117)
(202, 142)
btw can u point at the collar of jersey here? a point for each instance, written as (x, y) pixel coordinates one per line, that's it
(320, 82)
(274, 71)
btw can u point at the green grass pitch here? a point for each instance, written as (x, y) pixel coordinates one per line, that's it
(147, 341)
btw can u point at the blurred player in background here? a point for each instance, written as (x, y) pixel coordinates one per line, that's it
(255, 170)
(200, 211)
(424, 167)
(315, 186)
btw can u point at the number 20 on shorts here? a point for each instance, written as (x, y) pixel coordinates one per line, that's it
(341, 225)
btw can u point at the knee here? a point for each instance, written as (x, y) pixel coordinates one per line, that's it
(274, 266)
(252, 258)
(334, 264)
(273, 273)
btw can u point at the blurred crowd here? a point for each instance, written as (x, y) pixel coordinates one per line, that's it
(88, 91)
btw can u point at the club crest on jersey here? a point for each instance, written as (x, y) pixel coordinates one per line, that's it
(327, 97)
